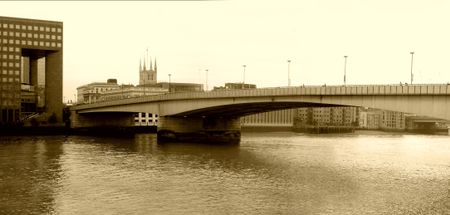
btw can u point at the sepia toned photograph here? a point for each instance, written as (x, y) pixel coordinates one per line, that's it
(225, 107)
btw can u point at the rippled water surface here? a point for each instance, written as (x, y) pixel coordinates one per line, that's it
(268, 173)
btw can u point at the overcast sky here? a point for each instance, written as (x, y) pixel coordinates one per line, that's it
(107, 40)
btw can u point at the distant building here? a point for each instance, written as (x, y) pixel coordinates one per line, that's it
(31, 69)
(425, 124)
(392, 120)
(130, 91)
(147, 73)
(91, 93)
(145, 119)
(382, 119)
(175, 87)
(235, 86)
(369, 119)
(327, 116)
(278, 118)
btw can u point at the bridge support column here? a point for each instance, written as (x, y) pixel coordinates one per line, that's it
(198, 129)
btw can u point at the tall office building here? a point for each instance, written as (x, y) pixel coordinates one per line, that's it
(31, 75)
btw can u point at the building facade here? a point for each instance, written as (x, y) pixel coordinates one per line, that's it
(392, 120)
(278, 118)
(145, 119)
(369, 119)
(91, 93)
(30, 68)
(327, 116)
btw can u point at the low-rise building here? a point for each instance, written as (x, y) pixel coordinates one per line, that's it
(91, 93)
(278, 118)
(369, 119)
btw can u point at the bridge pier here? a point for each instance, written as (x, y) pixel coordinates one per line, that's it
(101, 120)
(199, 129)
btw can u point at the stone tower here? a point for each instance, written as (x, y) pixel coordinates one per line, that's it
(147, 72)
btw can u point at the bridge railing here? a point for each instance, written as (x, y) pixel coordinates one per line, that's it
(322, 90)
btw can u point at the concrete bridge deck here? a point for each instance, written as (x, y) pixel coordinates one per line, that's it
(216, 113)
(349, 90)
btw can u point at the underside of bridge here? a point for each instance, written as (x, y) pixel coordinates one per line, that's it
(243, 109)
(217, 124)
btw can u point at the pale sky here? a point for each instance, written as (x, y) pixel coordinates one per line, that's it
(107, 39)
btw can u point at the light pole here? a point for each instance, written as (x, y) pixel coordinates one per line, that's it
(169, 82)
(206, 80)
(345, 69)
(289, 72)
(243, 76)
(412, 58)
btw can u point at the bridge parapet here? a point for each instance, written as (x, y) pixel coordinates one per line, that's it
(436, 89)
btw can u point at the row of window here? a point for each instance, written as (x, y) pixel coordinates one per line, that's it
(10, 64)
(31, 28)
(10, 72)
(30, 35)
(10, 57)
(31, 43)
(9, 80)
(7, 103)
(10, 49)
(9, 95)
(143, 115)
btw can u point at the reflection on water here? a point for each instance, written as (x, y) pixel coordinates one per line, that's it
(268, 173)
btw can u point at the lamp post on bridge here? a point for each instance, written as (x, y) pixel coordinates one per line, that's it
(169, 82)
(206, 84)
(345, 70)
(289, 72)
(243, 76)
(412, 58)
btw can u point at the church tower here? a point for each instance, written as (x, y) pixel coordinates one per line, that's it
(147, 71)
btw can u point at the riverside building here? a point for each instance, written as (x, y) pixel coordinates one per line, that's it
(31, 74)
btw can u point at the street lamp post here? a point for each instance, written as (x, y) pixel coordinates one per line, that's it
(289, 72)
(169, 82)
(243, 76)
(345, 69)
(412, 58)
(206, 81)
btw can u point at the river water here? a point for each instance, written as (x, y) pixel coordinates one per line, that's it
(267, 173)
